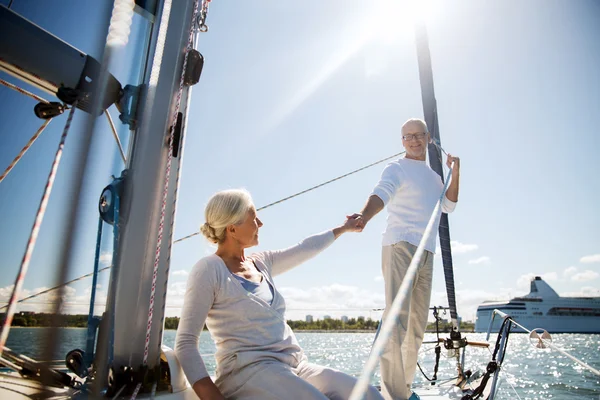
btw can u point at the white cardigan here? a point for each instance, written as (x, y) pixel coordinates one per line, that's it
(244, 327)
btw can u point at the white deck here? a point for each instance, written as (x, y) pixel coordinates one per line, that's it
(439, 393)
(16, 388)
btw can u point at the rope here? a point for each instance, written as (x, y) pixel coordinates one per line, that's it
(115, 135)
(56, 287)
(34, 234)
(23, 91)
(391, 320)
(309, 189)
(24, 150)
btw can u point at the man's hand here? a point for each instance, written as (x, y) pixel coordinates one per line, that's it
(358, 221)
(456, 161)
(452, 192)
(349, 225)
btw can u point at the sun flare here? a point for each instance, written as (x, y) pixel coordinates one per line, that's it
(395, 19)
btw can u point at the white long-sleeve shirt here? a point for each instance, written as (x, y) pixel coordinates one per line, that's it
(245, 328)
(410, 189)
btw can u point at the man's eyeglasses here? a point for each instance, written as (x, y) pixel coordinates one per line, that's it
(412, 136)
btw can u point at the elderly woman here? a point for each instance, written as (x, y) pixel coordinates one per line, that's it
(258, 356)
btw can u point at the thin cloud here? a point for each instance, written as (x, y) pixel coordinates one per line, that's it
(587, 275)
(72, 301)
(481, 260)
(461, 248)
(570, 271)
(106, 257)
(468, 300)
(586, 291)
(594, 258)
(180, 272)
(458, 248)
(524, 280)
(334, 300)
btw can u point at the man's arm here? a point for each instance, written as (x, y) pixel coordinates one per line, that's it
(372, 207)
(388, 184)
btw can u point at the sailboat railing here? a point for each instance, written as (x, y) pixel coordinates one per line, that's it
(543, 340)
(393, 314)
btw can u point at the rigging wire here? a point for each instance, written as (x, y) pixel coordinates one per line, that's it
(16, 292)
(54, 288)
(23, 91)
(309, 189)
(116, 136)
(506, 380)
(561, 351)
(24, 150)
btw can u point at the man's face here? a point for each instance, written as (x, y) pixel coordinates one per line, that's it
(414, 140)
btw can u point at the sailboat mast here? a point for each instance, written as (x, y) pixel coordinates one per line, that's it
(146, 211)
(435, 156)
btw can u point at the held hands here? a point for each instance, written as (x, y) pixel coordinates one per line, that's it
(350, 225)
(355, 222)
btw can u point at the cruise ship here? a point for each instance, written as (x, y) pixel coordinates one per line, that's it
(544, 308)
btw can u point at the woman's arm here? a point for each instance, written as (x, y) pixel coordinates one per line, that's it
(199, 298)
(281, 261)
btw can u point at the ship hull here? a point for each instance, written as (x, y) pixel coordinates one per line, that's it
(552, 324)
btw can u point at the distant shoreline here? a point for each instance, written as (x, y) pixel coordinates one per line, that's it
(295, 330)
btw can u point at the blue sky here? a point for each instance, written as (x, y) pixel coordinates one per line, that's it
(296, 93)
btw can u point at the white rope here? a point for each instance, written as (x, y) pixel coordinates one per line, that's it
(361, 386)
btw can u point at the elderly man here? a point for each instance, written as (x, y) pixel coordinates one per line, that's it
(410, 189)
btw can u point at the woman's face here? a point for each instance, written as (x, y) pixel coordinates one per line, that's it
(246, 233)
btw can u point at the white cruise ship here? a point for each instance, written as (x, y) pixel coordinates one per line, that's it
(544, 308)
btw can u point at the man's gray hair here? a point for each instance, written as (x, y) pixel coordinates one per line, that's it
(416, 121)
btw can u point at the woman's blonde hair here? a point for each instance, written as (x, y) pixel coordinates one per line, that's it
(227, 207)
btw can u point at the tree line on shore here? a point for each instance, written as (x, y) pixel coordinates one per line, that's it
(30, 319)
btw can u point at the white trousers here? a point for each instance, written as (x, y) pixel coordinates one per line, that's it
(399, 359)
(275, 380)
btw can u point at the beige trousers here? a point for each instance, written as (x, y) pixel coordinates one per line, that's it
(274, 380)
(399, 359)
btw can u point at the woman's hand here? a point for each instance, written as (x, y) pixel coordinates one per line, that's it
(206, 389)
(355, 224)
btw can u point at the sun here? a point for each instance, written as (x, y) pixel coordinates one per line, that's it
(394, 20)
